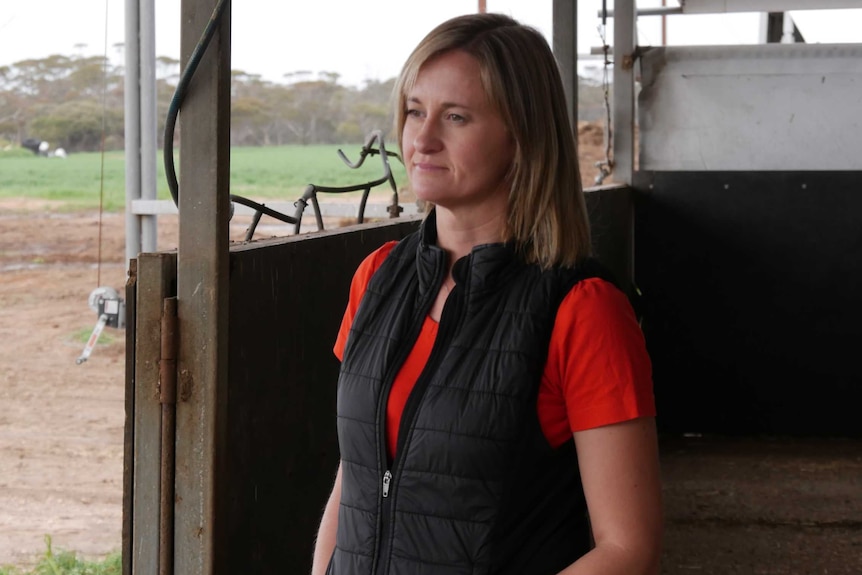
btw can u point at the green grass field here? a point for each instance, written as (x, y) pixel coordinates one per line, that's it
(278, 173)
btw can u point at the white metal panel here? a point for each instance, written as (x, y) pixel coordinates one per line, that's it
(732, 6)
(771, 107)
(720, 6)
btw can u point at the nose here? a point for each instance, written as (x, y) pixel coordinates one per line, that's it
(426, 138)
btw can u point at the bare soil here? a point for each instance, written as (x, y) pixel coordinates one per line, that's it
(61, 424)
(750, 506)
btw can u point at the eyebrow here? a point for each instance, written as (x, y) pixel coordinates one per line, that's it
(446, 105)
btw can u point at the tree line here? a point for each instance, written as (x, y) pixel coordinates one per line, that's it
(77, 102)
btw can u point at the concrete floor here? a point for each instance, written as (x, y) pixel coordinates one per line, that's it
(777, 506)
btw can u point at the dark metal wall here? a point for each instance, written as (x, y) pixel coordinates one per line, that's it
(611, 213)
(752, 300)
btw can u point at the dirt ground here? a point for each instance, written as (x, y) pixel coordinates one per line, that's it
(749, 506)
(61, 424)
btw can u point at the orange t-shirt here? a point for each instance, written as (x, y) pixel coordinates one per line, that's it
(597, 373)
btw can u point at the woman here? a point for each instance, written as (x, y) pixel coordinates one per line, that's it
(495, 406)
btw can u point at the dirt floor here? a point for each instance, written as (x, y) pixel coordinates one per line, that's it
(749, 506)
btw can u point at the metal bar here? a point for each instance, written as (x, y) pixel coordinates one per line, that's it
(132, 106)
(94, 337)
(202, 291)
(657, 11)
(249, 234)
(317, 216)
(261, 209)
(328, 209)
(129, 425)
(623, 92)
(301, 204)
(168, 401)
(148, 123)
(774, 27)
(565, 44)
(663, 25)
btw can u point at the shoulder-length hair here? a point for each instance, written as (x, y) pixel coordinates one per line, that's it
(547, 218)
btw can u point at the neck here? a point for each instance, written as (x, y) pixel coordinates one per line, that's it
(458, 235)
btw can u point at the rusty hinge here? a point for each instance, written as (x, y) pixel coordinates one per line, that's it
(169, 347)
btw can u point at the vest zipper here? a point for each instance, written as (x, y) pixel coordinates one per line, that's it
(381, 549)
(448, 326)
(387, 479)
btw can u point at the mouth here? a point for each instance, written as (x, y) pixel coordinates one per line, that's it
(427, 167)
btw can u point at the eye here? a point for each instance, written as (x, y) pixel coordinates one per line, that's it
(414, 113)
(457, 118)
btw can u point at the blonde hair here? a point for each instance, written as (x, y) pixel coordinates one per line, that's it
(547, 219)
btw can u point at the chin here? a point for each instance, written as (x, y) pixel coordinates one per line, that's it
(425, 195)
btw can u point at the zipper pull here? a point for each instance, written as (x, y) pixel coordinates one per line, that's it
(387, 479)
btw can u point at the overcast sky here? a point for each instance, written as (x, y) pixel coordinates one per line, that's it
(357, 39)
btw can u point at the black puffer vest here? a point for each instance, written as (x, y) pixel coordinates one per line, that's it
(474, 487)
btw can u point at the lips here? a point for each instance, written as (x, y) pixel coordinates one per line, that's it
(427, 167)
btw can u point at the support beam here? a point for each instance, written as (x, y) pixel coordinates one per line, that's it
(140, 123)
(202, 294)
(132, 107)
(565, 45)
(149, 125)
(624, 92)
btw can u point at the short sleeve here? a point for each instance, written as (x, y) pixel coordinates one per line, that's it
(597, 359)
(357, 289)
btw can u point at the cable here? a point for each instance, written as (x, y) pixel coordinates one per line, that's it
(179, 95)
(606, 166)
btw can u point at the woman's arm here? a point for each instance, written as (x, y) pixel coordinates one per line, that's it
(325, 543)
(621, 476)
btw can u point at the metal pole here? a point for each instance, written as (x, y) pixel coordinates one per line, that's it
(565, 40)
(200, 524)
(132, 130)
(149, 141)
(663, 25)
(168, 401)
(623, 91)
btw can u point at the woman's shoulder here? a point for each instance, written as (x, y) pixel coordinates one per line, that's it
(597, 297)
(373, 260)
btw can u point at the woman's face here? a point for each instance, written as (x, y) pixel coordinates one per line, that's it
(456, 147)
